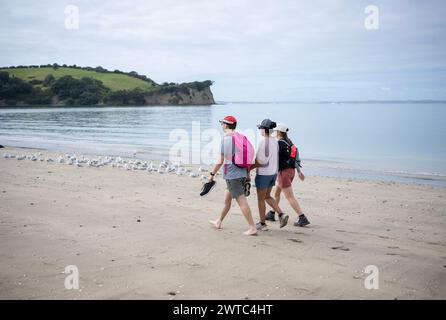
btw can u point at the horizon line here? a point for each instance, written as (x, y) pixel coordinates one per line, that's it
(334, 101)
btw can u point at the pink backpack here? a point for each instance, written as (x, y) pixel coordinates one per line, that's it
(243, 152)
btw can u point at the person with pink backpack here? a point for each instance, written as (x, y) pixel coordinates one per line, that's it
(236, 156)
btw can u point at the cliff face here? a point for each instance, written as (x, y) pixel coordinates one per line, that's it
(193, 97)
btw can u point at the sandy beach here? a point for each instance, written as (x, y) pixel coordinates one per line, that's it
(140, 235)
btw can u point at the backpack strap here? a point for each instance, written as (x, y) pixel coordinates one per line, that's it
(285, 142)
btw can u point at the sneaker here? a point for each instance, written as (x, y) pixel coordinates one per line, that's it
(261, 226)
(270, 216)
(302, 221)
(283, 219)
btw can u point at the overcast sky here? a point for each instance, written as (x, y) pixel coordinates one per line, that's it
(254, 50)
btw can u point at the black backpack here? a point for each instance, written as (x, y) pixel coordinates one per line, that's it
(293, 155)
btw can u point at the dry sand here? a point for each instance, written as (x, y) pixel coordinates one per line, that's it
(53, 215)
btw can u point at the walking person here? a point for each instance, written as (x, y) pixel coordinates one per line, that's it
(235, 177)
(267, 164)
(289, 163)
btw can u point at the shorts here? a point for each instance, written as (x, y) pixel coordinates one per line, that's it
(236, 187)
(285, 178)
(265, 182)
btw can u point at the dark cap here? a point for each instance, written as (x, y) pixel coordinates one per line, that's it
(266, 124)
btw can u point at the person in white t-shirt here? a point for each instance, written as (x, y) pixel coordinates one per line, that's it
(267, 165)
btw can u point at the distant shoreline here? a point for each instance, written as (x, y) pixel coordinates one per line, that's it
(337, 102)
(312, 167)
(33, 106)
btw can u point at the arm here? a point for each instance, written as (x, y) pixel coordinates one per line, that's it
(216, 167)
(300, 174)
(255, 165)
(299, 170)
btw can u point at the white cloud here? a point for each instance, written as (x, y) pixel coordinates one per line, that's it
(254, 50)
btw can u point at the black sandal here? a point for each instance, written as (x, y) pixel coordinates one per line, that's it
(247, 187)
(207, 187)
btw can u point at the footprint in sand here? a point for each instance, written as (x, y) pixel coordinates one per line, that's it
(295, 240)
(340, 248)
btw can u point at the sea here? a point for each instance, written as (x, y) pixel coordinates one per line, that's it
(383, 141)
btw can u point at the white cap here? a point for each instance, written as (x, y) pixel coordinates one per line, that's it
(281, 127)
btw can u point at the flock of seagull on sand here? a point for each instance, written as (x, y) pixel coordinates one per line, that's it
(115, 162)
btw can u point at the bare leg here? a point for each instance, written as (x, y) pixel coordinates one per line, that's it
(271, 201)
(224, 211)
(277, 191)
(261, 194)
(289, 195)
(243, 204)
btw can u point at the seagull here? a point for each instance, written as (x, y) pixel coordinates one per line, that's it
(164, 163)
(193, 175)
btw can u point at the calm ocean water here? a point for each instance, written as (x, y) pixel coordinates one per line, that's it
(396, 142)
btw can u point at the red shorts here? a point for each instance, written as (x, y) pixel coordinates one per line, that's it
(285, 178)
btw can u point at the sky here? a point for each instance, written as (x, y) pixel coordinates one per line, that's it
(253, 50)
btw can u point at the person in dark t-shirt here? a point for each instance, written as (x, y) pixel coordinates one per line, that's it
(287, 168)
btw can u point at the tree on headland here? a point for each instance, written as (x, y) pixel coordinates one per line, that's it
(11, 87)
(49, 80)
(126, 97)
(84, 91)
(14, 90)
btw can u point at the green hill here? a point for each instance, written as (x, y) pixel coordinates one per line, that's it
(73, 85)
(113, 81)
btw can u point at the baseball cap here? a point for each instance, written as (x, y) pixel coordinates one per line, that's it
(281, 127)
(229, 120)
(266, 124)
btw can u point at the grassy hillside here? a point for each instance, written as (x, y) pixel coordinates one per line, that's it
(54, 84)
(114, 81)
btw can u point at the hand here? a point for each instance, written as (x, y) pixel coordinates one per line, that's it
(211, 178)
(301, 175)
